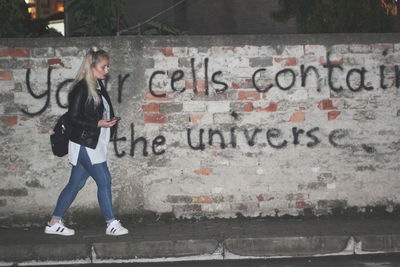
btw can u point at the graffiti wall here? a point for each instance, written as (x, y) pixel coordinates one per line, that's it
(212, 126)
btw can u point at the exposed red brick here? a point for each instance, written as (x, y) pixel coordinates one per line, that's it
(273, 106)
(214, 153)
(204, 171)
(6, 75)
(382, 47)
(196, 199)
(249, 107)
(260, 197)
(55, 61)
(19, 52)
(202, 199)
(191, 207)
(245, 83)
(226, 48)
(297, 117)
(154, 118)
(151, 107)
(289, 61)
(149, 96)
(249, 95)
(4, 52)
(201, 84)
(196, 117)
(322, 61)
(9, 120)
(167, 51)
(332, 115)
(235, 86)
(326, 104)
(301, 204)
(188, 85)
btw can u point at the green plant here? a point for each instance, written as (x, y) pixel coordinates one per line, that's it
(94, 17)
(332, 16)
(15, 21)
(158, 28)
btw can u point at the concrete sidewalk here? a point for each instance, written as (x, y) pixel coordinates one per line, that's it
(203, 240)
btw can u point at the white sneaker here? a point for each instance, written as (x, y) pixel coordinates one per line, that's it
(58, 229)
(115, 228)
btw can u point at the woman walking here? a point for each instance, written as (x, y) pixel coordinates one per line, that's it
(92, 121)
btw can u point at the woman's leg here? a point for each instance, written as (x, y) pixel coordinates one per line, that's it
(103, 181)
(77, 180)
(102, 177)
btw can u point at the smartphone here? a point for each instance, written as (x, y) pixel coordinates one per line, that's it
(116, 118)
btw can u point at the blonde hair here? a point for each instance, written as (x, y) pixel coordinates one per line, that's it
(92, 57)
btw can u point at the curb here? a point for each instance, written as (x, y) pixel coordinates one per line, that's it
(153, 249)
(373, 244)
(44, 252)
(131, 251)
(290, 246)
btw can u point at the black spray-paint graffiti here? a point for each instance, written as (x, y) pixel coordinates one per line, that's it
(289, 74)
(156, 143)
(63, 85)
(178, 75)
(274, 137)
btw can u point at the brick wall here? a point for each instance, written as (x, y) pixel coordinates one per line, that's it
(212, 126)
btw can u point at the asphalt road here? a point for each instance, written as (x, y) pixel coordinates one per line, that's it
(386, 260)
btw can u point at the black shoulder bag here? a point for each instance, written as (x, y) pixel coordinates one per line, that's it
(60, 138)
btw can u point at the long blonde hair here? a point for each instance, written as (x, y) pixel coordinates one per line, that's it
(92, 57)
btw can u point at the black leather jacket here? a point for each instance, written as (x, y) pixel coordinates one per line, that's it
(84, 115)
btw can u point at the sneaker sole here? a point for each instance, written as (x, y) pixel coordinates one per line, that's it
(58, 233)
(123, 233)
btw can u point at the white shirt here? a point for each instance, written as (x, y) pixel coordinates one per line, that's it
(99, 154)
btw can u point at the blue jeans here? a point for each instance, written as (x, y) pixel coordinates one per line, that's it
(79, 174)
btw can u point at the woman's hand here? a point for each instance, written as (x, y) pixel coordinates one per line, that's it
(106, 123)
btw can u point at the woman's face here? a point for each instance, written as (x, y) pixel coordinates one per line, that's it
(101, 69)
